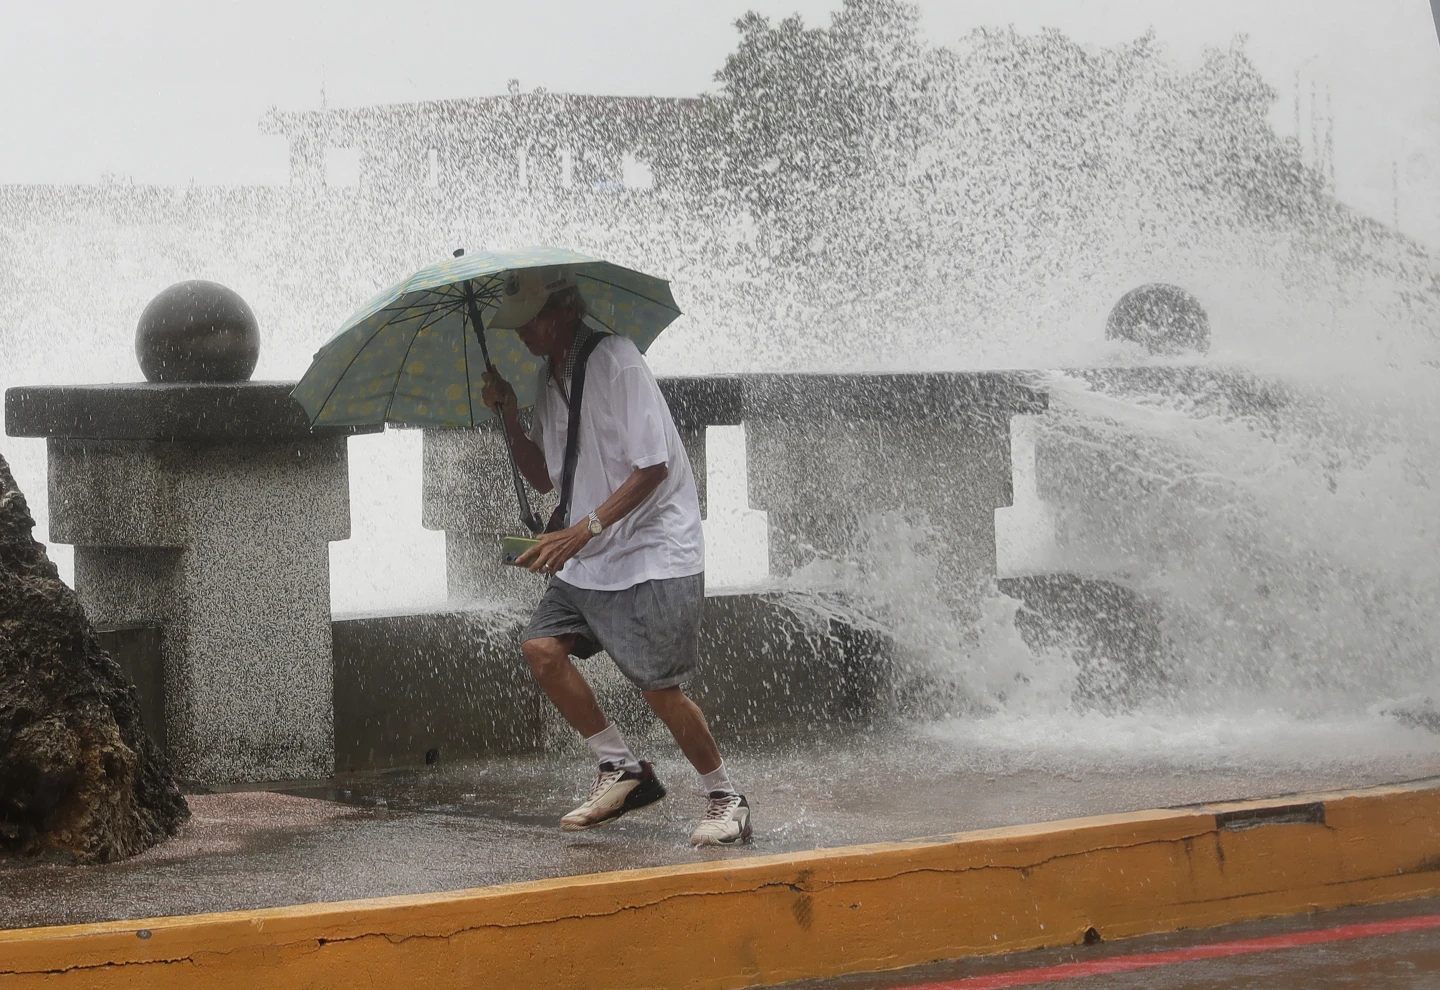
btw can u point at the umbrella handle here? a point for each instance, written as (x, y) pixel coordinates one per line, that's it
(527, 515)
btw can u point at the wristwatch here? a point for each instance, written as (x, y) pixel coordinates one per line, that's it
(596, 526)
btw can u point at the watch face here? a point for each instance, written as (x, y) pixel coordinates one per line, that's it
(595, 526)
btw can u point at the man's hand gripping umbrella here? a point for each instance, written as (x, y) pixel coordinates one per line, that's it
(527, 515)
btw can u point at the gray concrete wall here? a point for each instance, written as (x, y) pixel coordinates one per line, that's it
(1115, 514)
(772, 664)
(467, 492)
(136, 647)
(455, 682)
(209, 510)
(452, 681)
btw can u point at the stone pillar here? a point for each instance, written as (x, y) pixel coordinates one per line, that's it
(204, 503)
(219, 531)
(468, 492)
(828, 454)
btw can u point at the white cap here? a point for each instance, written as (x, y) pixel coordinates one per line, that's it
(525, 293)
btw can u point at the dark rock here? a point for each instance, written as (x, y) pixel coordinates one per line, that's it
(1162, 318)
(79, 777)
(197, 331)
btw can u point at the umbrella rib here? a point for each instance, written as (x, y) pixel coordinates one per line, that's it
(351, 363)
(450, 290)
(486, 293)
(391, 307)
(397, 308)
(348, 365)
(438, 314)
(394, 307)
(626, 288)
(601, 322)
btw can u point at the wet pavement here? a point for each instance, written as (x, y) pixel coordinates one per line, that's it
(1355, 947)
(456, 826)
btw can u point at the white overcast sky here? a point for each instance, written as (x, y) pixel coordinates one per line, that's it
(171, 91)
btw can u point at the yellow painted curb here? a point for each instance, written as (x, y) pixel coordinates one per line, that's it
(771, 919)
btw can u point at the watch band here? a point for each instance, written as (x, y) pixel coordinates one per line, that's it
(596, 526)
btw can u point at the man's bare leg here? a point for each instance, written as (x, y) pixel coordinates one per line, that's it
(550, 663)
(727, 813)
(623, 783)
(687, 724)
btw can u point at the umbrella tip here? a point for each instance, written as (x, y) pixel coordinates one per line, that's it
(459, 253)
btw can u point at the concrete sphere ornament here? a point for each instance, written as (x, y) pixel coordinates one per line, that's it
(197, 331)
(1162, 318)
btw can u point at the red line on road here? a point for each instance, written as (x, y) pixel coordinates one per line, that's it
(1220, 950)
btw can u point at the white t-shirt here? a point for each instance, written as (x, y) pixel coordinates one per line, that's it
(624, 425)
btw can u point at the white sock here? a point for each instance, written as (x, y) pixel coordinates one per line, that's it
(717, 780)
(609, 746)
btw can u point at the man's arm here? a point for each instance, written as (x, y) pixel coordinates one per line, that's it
(554, 549)
(636, 489)
(498, 395)
(528, 454)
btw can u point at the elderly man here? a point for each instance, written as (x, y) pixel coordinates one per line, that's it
(626, 573)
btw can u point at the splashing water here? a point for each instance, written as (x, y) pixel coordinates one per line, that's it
(1295, 550)
(1291, 540)
(1286, 527)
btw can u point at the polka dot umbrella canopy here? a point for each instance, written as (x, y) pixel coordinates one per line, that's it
(412, 356)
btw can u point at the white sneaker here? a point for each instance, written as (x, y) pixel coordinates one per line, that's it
(726, 821)
(615, 792)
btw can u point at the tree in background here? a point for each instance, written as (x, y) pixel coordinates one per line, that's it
(862, 177)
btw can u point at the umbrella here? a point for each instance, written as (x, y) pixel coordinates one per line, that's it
(415, 353)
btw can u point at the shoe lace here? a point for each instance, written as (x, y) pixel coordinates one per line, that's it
(719, 809)
(603, 779)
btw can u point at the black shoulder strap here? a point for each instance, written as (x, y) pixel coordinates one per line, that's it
(560, 518)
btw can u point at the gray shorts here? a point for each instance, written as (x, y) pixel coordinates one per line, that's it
(651, 630)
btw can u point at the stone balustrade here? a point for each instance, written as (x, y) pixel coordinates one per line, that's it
(201, 513)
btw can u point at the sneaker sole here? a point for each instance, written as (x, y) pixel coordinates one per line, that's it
(639, 797)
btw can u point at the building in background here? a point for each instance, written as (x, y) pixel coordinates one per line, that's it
(536, 140)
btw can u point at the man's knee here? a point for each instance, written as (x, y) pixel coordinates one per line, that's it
(544, 655)
(667, 700)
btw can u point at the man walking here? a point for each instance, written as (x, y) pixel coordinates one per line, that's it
(627, 576)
